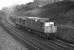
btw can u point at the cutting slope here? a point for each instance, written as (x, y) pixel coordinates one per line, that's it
(62, 13)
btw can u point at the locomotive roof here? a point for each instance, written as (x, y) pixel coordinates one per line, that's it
(38, 19)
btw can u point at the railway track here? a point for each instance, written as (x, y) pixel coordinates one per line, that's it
(46, 45)
(23, 38)
(35, 42)
(59, 43)
(62, 44)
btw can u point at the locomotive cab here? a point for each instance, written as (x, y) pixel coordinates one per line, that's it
(50, 27)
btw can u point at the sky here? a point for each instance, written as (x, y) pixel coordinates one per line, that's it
(7, 3)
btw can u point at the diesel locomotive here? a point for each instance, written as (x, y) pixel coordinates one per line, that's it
(43, 26)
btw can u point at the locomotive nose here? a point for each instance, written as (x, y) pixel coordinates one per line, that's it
(50, 27)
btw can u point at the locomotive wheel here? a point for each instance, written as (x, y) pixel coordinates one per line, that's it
(51, 36)
(47, 37)
(43, 36)
(17, 25)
